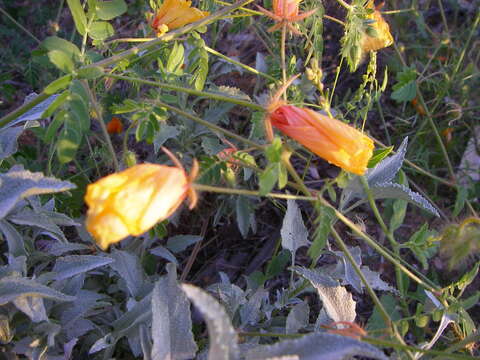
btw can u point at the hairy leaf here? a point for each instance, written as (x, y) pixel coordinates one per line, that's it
(72, 265)
(128, 266)
(293, 232)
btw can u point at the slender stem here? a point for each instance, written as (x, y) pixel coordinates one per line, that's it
(4, 12)
(335, 82)
(210, 95)
(283, 40)
(344, 4)
(99, 117)
(230, 191)
(246, 67)
(209, 125)
(334, 19)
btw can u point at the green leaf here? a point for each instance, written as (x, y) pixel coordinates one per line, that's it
(462, 195)
(277, 264)
(59, 100)
(243, 213)
(406, 87)
(52, 129)
(59, 84)
(274, 150)
(176, 59)
(198, 63)
(179, 243)
(78, 16)
(379, 155)
(322, 230)
(100, 30)
(68, 143)
(399, 207)
(90, 73)
(107, 10)
(268, 178)
(79, 111)
(55, 43)
(19, 183)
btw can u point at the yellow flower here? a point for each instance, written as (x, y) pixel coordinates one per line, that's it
(134, 200)
(174, 14)
(383, 38)
(331, 139)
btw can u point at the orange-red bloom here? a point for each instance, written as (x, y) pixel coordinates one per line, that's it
(174, 14)
(349, 329)
(134, 200)
(285, 12)
(115, 126)
(331, 139)
(383, 38)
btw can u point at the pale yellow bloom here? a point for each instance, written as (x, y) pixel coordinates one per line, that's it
(174, 14)
(134, 200)
(384, 38)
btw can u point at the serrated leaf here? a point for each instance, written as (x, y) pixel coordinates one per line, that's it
(336, 300)
(297, 318)
(316, 346)
(166, 132)
(386, 170)
(223, 338)
(18, 184)
(12, 287)
(8, 141)
(293, 232)
(100, 30)
(373, 278)
(397, 191)
(406, 92)
(171, 321)
(128, 266)
(71, 265)
(78, 15)
(107, 10)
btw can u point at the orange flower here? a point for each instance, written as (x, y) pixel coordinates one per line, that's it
(331, 139)
(285, 12)
(418, 107)
(115, 126)
(383, 38)
(350, 329)
(134, 200)
(174, 14)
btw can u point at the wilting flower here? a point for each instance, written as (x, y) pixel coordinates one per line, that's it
(383, 37)
(174, 14)
(331, 139)
(134, 200)
(115, 126)
(285, 12)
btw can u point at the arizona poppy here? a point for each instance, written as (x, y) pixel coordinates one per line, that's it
(331, 139)
(134, 200)
(115, 126)
(174, 14)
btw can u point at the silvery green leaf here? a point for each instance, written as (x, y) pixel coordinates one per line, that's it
(32, 218)
(14, 239)
(373, 278)
(171, 321)
(19, 183)
(223, 338)
(72, 265)
(243, 211)
(79, 328)
(36, 112)
(397, 191)
(8, 141)
(250, 312)
(76, 310)
(386, 170)
(13, 287)
(31, 306)
(145, 341)
(102, 343)
(383, 172)
(164, 253)
(294, 233)
(317, 346)
(137, 314)
(127, 265)
(59, 248)
(336, 300)
(350, 276)
(297, 318)
(230, 295)
(179, 243)
(57, 218)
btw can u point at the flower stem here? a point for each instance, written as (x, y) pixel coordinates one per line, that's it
(283, 39)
